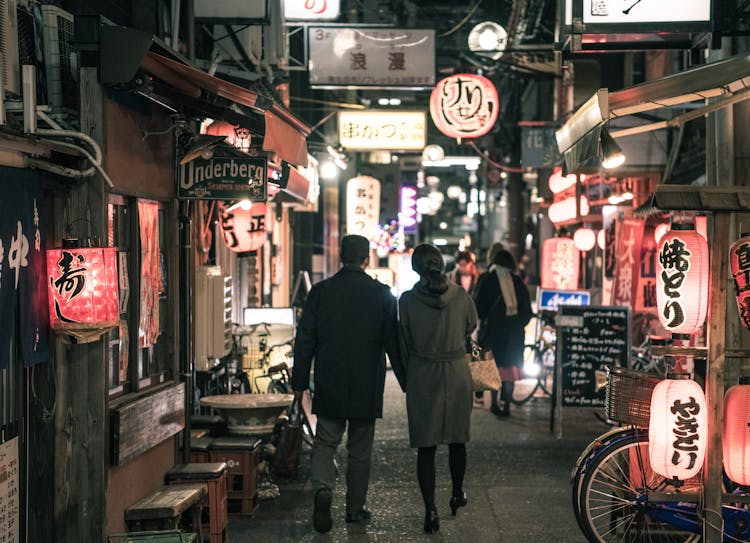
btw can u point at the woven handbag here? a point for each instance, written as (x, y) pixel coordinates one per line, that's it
(484, 374)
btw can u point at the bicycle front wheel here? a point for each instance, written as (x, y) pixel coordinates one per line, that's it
(614, 499)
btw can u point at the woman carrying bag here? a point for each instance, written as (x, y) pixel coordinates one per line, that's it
(435, 318)
(504, 309)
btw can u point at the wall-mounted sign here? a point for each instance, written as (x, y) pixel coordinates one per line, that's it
(311, 10)
(363, 206)
(464, 106)
(550, 300)
(238, 11)
(628, 266)
(407, 214)
(366, 58)
(387, 130)
(223, 178)
(538, 146)
(645, 11)
(10, 475)
(560, 264)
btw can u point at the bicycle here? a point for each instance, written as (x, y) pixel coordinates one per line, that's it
(539, 364)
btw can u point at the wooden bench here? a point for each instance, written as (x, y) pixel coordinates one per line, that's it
(214, 476)
(163, 509)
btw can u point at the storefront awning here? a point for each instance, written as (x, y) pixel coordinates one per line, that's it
(727, 80)
(124, 51)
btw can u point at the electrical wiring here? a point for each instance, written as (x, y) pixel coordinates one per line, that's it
(503, 167)
(463, 21)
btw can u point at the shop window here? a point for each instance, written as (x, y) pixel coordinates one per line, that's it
(135, 362)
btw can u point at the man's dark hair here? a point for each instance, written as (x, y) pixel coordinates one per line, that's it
(505, 259)
(354, 250)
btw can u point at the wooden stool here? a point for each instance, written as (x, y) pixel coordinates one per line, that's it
(199, 449)
(163, 509)
(215, 424)
(214, 475)
(241, 457)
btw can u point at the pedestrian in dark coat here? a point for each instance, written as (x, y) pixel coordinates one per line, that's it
(504, 309)
(348, 324)
(435, 318)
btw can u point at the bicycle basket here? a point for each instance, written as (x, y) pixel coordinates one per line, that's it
(628, 395)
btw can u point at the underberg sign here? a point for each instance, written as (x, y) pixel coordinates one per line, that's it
(223, 178)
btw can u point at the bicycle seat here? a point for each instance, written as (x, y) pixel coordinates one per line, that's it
(278, 367)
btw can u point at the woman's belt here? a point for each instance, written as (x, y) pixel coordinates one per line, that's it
(449, 356)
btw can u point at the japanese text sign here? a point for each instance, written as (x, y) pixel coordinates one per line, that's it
(640, 11)
(387, 130)
(244, 227)
(677, 428)
(360, 58)
(363, 206)
(223, 178)
(627, 269)
(9, 488)
(560, 264)
(464, 106)
(739, 263)
(309, 10)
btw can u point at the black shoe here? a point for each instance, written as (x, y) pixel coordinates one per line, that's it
(363, 515)
(322, 521)
(495, 410)
(431, 521)
(458, 501)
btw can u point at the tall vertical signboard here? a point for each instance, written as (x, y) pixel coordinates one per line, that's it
(9, 476)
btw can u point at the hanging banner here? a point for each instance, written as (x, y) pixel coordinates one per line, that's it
(382, 130)
(627, 268)
(148, 220)
(363, 58)
(9, 477)
(363, 206)
(645, 299)
(464, 106)
(23, 266)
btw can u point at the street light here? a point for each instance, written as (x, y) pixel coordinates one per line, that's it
(488, 39)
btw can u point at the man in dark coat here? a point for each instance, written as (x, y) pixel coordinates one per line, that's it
(348, 324)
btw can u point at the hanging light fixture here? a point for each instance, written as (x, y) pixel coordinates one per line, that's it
(677, 427)
(601, 239)
(585, 239)
(682, 280)
(488, 39)
(611, 153)
(244, 226)
(736, 433)
(566, 209)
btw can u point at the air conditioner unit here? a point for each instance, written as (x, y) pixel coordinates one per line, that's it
(11, 71)
(60, 60)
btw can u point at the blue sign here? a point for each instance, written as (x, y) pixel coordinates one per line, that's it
(549, 300)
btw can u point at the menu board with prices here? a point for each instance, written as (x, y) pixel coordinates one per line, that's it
(589, 338)
(9, 476)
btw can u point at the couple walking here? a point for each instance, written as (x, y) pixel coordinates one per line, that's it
(348, 324)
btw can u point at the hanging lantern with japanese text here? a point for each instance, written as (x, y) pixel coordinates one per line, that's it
(736, 433)
(560, 264)
(677, 428)
(682, 279)
(363, 206)
(243, 226)
(83, 291)
(739, 264)
(464, 106)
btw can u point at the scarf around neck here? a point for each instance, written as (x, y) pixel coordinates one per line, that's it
(507, 289)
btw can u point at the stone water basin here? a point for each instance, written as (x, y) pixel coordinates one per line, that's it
(249, 413)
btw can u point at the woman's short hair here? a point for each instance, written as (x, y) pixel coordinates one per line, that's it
(505, 259)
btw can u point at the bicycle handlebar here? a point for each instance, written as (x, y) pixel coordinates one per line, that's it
(283, 366)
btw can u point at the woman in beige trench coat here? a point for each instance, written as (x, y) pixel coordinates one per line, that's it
(435, 319)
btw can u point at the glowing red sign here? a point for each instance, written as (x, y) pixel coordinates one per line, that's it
(464, 106)
(408, 209)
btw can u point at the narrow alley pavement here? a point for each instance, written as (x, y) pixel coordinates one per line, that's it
(517, 481)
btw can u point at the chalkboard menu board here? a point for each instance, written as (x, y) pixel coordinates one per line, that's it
(588, 339)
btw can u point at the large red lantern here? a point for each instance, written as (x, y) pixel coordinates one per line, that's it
(83, 290)
(567, 209)
(682, 280)
(585, 239)
(736, 433)
(677, 428)
(739, 263)
(560, 264)
(243, 226)
(560, 183)
(464, 106)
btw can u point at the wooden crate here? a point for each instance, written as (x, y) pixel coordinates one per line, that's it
(241, 457)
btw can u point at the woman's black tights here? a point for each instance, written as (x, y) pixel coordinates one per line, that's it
(426, 471)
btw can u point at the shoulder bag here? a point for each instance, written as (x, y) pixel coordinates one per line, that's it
(484, 374)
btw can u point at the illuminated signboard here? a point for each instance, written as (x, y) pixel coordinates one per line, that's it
(407, 214)
(464, 106)
(363, 206)
(386, 130)
(309, 10)
(365, 58)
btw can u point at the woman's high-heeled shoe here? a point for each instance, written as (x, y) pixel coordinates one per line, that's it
(431, 521)
(458, 501)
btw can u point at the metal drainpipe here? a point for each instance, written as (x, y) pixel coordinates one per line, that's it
(186, 343)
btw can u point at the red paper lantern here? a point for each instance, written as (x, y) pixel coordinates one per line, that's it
(243, 226)
(739, 263)
(682, 280)
(565, 210)
(83, 288)
(559, 183)
(560, 264)
(677, 428)
(601, 239)
(736, 433)
(660, 230)
(464, 106)
(236, 136)
(585, 239)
